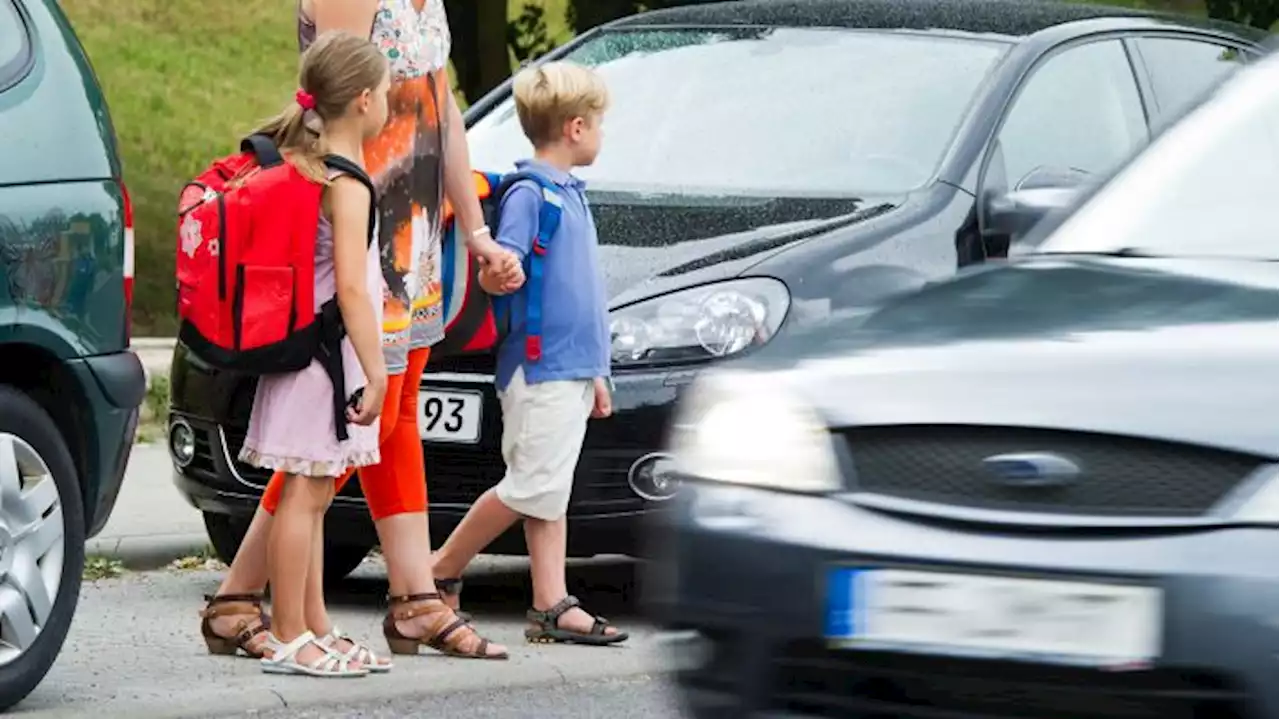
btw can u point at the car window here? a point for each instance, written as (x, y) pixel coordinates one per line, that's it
(1183, 70)
(1206, 188)
(767, 112)
(1078, 110)
(13, 42)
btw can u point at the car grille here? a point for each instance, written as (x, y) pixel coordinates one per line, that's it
(202, 462)
(460, 475)
(811, 680)
(1118, 476)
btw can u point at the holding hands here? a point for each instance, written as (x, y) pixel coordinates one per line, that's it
(500, 270)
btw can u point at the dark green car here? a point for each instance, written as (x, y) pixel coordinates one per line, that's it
(69, 386)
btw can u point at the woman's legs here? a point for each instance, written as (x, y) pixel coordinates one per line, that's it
(397, 495)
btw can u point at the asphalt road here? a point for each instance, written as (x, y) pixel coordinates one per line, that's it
(642, 697)
(135, 651)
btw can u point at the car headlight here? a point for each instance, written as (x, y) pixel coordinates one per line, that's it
(1263, 506)
(707, 322)
(741, 428)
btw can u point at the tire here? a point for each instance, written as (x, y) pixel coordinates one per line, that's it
(341, 560)
(226, 533)
(29, 439)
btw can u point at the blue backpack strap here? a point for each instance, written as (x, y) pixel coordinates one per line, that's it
(548, 222)
(549, 213)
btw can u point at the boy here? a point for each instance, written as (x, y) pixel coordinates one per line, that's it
(547, 401)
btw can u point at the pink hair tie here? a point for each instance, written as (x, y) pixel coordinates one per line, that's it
(305, 99)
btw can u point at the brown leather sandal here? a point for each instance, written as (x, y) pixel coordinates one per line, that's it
(230, 605)
(447, 633)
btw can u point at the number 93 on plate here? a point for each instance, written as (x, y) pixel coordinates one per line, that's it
(451, 416)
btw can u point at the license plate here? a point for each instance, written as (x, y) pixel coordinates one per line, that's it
(450, 416)
(1063, 622)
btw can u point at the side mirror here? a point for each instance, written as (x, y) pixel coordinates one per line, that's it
(1014, 214)
(1042, 192)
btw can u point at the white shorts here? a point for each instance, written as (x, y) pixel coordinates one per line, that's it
(543, 428)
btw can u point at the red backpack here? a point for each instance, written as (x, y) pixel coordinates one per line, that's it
(246, 267)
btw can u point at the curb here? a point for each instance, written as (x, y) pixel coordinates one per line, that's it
(152, 343)
(147, 552)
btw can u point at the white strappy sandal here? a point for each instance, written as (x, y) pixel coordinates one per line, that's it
(329, 665)
(359, 652)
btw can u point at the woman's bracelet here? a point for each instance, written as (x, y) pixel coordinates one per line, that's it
(483, 231)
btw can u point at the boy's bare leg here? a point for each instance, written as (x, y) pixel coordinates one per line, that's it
(548, 543)
(485, 521)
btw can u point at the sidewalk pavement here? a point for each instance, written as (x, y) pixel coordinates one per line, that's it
(151, 524)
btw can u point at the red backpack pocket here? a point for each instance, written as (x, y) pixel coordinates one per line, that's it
(263, 305)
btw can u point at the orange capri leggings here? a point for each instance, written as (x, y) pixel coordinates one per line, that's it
(397, 484)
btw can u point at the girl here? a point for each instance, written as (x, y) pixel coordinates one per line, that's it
(418, 160)
(342, 102)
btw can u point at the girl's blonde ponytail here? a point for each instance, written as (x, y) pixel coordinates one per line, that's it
(334, 71)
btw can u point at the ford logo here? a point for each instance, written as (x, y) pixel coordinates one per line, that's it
(1031, 469)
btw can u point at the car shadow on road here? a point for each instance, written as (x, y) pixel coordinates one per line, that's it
(499, 586)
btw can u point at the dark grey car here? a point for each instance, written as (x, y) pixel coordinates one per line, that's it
(1044, 489)
(767, 163)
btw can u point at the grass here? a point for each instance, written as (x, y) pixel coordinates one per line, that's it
(182, 84)
(96, 568)
(155, 409)
(204, 559)
(184, 80)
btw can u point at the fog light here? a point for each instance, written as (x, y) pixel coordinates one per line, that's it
(653, 477)
(182, 442)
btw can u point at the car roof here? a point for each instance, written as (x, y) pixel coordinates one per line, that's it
(1011, 18)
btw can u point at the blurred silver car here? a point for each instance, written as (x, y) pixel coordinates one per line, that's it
(1043, 489)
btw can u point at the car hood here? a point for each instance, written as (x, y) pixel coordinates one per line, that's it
(653, 243)
(1165, 349)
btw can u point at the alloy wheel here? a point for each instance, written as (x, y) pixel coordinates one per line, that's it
(32, 545)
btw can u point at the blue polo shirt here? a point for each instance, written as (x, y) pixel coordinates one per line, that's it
(575, 323)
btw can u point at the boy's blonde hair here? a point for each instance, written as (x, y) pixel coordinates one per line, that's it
(551, 94)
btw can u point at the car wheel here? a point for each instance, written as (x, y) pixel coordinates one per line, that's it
(341, 560)
(41, 544)
(227, 532)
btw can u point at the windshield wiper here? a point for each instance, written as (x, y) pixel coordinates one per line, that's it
(1129, 252)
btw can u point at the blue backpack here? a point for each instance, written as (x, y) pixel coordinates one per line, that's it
(476, 322)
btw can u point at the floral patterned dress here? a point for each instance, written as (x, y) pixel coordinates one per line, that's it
(406, 162)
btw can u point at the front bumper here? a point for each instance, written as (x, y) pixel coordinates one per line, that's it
(743, 569)
(605, 514)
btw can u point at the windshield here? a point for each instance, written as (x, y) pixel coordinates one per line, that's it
(1209, 187)
(794, 112)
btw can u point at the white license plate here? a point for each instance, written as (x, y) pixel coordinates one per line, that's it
(1066, 622)
(450, 416)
